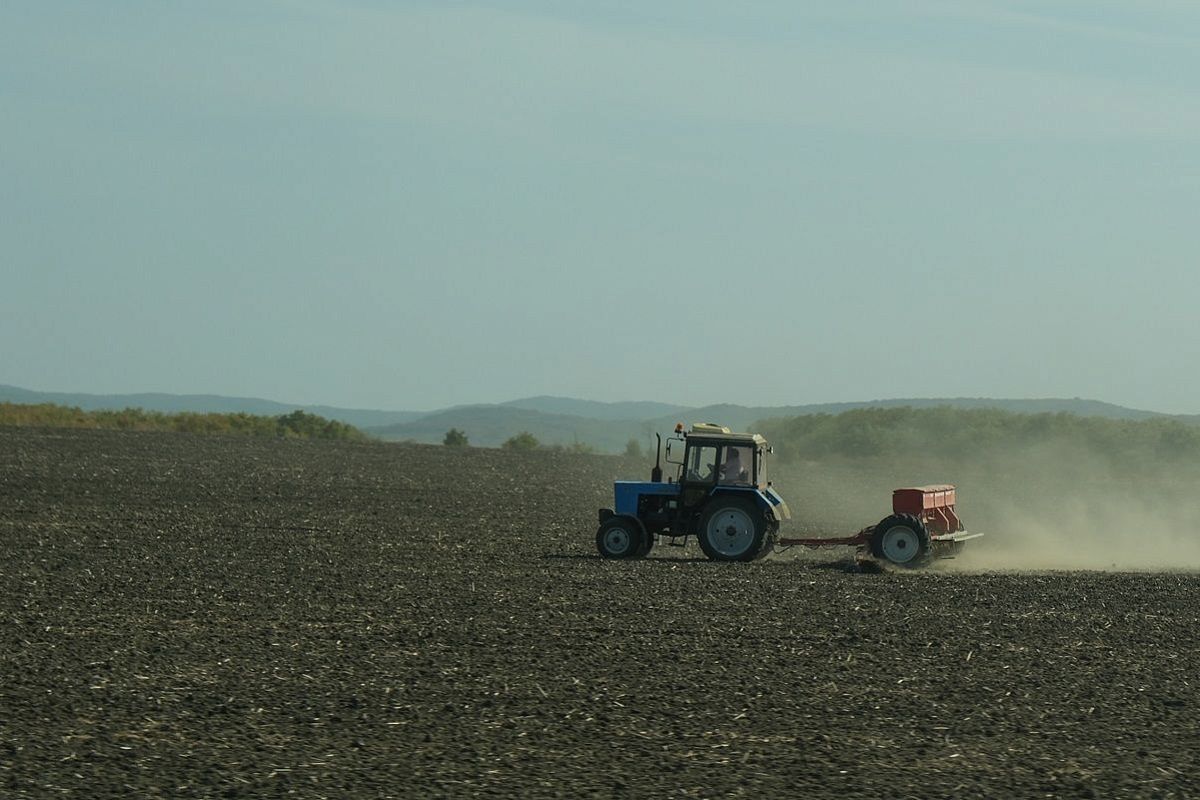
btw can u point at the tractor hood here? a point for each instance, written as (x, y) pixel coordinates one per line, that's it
(627, 493)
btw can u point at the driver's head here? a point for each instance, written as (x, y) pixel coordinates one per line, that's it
(733, 454)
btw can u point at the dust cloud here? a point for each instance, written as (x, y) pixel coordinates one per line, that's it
(1095, 533)
(1067, 508)
(1049, 507)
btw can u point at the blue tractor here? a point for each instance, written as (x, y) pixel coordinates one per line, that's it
(719, 494)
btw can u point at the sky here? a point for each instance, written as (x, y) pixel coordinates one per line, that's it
(407, 205)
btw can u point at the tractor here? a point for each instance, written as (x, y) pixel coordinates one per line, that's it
(721, 496)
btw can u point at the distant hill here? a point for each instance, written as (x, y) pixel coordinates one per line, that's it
(744, 416)
(559, 420)
(201, 404)
(628, 410)
(491, 425)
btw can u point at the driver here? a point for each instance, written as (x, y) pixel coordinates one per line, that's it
(733, 471)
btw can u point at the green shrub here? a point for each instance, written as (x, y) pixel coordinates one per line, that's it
(522, 441)
(455, 438)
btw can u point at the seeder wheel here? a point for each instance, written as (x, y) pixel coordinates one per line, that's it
(903, 540)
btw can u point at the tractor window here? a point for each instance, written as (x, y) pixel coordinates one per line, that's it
(738, 466)
(702, 463)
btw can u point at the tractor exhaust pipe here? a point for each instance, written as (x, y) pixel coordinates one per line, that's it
(656, 473)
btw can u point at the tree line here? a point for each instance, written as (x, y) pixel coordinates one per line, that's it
(961, 433)
(296, 424)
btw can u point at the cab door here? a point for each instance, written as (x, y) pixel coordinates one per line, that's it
(698, 478)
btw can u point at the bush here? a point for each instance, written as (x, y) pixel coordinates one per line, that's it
(455, 438)
(310, 426)
(633, 449)
(522, 441)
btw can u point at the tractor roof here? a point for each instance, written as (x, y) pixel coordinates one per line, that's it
(717, 434)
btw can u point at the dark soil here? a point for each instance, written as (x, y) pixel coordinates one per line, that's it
(188, 616)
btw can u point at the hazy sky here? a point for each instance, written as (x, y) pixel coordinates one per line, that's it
(409, 205)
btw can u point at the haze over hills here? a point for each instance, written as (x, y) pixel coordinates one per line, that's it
(491, 425)
(643, 409)
(554, 420)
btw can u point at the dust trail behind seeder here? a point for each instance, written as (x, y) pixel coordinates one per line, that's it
(1068, 508)
(1045, 508)
(1095, 533)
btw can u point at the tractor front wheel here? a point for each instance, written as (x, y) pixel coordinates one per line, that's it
(903, 540)
(620, 537)
(734, 530)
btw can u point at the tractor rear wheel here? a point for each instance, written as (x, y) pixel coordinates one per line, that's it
(734, 529)
(903, 540)
(620, 537)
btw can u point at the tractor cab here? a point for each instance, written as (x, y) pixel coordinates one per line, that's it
(711, 454)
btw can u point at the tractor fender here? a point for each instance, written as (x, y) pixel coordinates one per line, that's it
(779, 506)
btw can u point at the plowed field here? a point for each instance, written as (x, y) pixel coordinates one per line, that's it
(202, 616)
